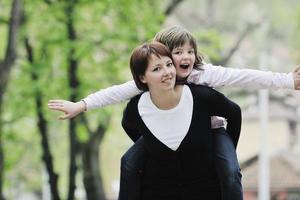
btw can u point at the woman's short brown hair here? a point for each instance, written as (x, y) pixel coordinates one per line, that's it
(140, 58)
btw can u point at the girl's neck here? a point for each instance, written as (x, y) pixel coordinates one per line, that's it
(166, 100)
(180, 80)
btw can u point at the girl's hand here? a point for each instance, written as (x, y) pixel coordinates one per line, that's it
(296, 75)
(69, 108)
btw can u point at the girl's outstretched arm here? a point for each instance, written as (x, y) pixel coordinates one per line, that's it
(216, 76)
(112, 95)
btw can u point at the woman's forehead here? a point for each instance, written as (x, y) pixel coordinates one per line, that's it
(158, 58)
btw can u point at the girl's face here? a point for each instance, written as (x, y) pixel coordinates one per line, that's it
(160, 73)
(184, 58)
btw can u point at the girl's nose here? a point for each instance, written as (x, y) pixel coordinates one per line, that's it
(185, 55)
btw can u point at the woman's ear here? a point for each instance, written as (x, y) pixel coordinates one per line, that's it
(142, 79)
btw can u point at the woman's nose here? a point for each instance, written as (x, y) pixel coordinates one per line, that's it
(167, 70)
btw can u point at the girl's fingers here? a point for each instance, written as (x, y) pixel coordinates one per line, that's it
(65, 116)
(56, 104)
(56, 101)
(58, 109)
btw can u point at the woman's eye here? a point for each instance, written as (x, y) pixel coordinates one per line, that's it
(156, 69)
(170, 65)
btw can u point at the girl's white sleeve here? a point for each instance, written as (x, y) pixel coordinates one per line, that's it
(112, 95)
(216, 76)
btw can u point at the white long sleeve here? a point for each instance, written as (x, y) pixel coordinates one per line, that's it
(112, 95)
(216, 76)
(212, 76)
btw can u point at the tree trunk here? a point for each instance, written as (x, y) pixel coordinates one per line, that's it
(1, 157)
(172, 6)
(73, 84)
(92, 179)
(42, 125)
(210, 13)
(5, 68)
(47, 156)
(72, 165)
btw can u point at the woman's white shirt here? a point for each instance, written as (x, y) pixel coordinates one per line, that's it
(168, 126)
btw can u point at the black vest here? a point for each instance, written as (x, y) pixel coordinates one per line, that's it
(189, 172)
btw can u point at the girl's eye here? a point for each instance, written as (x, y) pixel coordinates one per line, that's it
(191, 51)
(177, 52)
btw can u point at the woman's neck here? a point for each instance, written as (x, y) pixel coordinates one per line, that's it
(166, 100)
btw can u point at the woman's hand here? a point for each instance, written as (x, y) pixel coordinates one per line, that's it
(69, 108)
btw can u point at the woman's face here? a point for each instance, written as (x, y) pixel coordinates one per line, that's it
(160, 74)
(184, 58)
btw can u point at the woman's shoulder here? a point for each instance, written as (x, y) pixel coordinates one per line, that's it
(201, 91)
(131, 107)
(135, 99)
(199, 88)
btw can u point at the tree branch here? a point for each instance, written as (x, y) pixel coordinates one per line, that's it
(73, 84)
(250, 28)
(85, 123)
(172, 6)
(10, 53)
(42, 125)
(101, 129)
(14, 23)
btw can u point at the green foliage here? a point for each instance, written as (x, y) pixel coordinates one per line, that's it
(20, 148)
(210, 42)
(5, 7)
(295, 39)
(106, 32)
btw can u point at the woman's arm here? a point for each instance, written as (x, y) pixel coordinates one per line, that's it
(111, 95)
(216, 76)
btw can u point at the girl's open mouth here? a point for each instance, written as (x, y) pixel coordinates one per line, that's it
(184, 66)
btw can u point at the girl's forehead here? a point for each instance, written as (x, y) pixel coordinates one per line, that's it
(187, 44)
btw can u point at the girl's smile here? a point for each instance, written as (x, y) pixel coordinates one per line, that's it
(184, 59)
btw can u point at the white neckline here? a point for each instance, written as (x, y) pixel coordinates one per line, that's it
(147, 95)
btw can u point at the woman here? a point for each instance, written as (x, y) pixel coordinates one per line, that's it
(179, 160)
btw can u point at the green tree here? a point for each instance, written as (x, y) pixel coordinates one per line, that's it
(5, 68)
(66, 37)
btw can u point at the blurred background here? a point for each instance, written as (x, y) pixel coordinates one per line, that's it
(68, 49)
